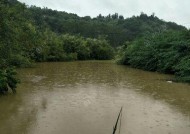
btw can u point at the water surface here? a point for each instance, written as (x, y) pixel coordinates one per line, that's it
(85, 98)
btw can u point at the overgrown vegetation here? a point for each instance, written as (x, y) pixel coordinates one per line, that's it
(166, 52)
(8, 80)
(33, 34)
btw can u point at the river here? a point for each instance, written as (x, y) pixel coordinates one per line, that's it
(85, 97)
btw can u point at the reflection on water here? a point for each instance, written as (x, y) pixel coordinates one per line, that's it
(85, 98)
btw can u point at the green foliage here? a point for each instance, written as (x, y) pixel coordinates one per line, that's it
(183, 69)
(8, 80)
(30, 34)
(76, 44)
(115, 27)
(166, 52)
(25, 37)
(82, 49)
(19, 61)
(100, 49)
(41, 34)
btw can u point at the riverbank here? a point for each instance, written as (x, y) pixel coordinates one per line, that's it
(166, 52)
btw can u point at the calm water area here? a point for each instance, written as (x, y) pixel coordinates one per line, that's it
(85, 97)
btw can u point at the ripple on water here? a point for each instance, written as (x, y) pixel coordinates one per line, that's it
(85, 98)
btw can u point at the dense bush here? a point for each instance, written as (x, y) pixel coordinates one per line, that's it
(69, 47)
(166, 52)
(19, 61)
(100, 49)
(8, 80)
(183, 69)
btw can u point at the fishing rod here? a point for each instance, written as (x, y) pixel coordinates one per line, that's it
(115, 127)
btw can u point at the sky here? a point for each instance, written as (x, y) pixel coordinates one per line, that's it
(170, 10)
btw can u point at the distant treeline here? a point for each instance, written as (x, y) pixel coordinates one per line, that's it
(115, 28)
(31, 34)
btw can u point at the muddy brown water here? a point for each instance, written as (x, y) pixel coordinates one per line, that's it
(85, 98)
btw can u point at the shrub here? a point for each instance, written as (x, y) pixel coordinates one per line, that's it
(19, 61)
(8, 80)
(166, 52)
